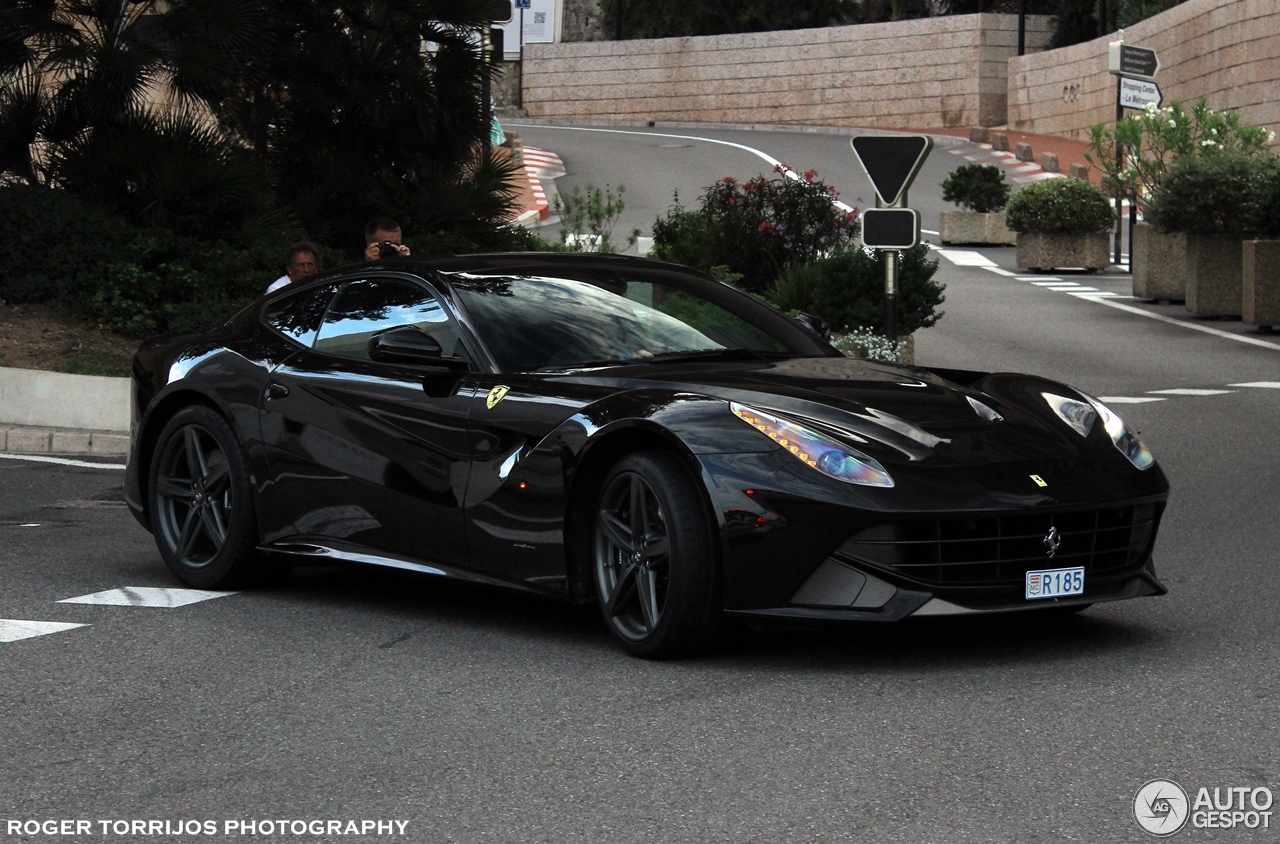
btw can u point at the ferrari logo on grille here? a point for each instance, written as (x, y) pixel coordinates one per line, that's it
(496, 395)
(1041, 482)
(1052, 540)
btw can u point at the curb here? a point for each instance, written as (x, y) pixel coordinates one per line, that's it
(22, 439)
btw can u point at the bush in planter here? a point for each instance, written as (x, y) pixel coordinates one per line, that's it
(1067, 206)
(977, 187)
(756, 229)
(1218, 201)
(1230, 193)
(846, 290)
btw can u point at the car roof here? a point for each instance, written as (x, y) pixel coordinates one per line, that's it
(577, 262)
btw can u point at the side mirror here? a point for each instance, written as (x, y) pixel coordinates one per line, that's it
(814, 324)
(410, 344)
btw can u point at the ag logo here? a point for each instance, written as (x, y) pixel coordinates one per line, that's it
(1161, 807)
(496, 395)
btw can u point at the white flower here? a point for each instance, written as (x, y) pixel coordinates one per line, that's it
(1173, 124)
(1213, 131)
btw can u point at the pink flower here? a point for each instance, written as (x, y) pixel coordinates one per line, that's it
(810, 175)
(729, 180)
(767, 227)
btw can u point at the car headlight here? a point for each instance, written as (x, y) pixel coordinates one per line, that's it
(1081, 415)
(833, 459)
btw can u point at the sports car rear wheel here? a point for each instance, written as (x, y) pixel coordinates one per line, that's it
(201, 501)
(654, 562)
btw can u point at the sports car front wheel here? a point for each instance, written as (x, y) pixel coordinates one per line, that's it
(201, 502)
(653, 555)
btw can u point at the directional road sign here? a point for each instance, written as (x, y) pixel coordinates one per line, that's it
(524, 4)
(1126, 60)
(890, 228)
(1137, 93)
(891, 162)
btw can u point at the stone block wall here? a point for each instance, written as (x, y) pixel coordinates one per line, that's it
(1225, 50)
(928, 73)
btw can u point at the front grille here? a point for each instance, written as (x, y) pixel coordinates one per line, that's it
(999, 550)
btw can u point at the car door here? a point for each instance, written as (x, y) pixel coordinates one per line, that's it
(369, 453)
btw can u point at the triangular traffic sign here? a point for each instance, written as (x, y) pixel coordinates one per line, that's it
(891, 162)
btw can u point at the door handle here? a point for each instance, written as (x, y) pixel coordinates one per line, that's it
(276, 391)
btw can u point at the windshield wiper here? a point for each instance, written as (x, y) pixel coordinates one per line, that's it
(721, 354)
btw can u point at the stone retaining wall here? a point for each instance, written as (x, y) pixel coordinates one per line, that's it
(927, 73)
(1225, 50)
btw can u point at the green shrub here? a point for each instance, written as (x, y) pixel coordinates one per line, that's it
(1231, 193)
(58, 249)
(846, 290)
(977, 187)
(757, 229)
(588, 218)
(1060, 205)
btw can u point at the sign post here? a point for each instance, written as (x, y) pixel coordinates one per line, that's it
(521, 5)
(891, 162)
(1135, 69)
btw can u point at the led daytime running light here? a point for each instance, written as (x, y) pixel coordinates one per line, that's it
(1125, 440)
(816, 451)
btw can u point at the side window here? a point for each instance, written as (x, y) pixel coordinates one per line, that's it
(298, 316)
(365, 308)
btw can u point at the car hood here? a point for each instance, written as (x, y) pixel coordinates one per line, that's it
(913, 411)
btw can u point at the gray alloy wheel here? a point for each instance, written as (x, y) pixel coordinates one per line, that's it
(655, 571)
(201, 502)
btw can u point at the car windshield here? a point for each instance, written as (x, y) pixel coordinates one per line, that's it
(533, 323)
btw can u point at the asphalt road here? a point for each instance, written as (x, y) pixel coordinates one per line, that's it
(477, 716)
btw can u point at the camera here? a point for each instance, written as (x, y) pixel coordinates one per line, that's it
(387, 249)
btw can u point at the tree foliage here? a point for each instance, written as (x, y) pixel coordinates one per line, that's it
(210, 117)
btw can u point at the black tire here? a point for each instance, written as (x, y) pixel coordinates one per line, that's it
(201, 502)
(653, 558)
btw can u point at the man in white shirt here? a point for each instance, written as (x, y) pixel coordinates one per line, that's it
(300, 261)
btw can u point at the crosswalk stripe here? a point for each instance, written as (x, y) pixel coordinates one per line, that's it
(13, 630)
(146, 596)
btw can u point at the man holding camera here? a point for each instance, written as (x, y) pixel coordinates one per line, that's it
(382, 240)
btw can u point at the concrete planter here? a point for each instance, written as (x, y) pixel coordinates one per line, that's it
(1047, 251)
(1214, 274)
(972, 227)
(1260, 282)
(1159, 263)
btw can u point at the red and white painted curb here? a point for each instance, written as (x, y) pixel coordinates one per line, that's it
(540, 164)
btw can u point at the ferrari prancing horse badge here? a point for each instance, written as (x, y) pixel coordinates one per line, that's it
(496, 395)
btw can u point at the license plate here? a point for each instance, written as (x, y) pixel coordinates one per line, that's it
(1055, 583)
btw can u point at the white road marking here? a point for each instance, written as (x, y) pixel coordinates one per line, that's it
(1266, 385)
(12, 630)
(1128, 399)
(966, 258)
(1187, 391)
(1226, 335)
(773, 162)
(926, 231)
(1077, 289)
(999, 271)
(1100, 294)
(146, 596)
(62, 461)
(1039, 279)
